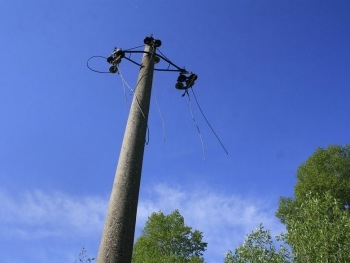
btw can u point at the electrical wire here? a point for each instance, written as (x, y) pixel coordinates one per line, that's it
(162, 54)
(94, 70)
(133, 92)
(160, 113)
(133, 48)
(138, 104)
(124, 84)
(124, 81)
(217, 137)
(195, 123)
(178, 69)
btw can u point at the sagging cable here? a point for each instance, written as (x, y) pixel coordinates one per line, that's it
(195, 123)
(200, 109)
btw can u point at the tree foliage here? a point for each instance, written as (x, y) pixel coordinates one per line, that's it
(317, 217)
(327, 170)
(319, 231)
(259, 247)
(166, 238)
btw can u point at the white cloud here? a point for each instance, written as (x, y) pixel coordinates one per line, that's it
(36, 214)
(223, 219)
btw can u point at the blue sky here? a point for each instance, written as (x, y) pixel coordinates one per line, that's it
(273, 80)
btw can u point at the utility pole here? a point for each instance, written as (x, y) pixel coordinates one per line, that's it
(118, 234)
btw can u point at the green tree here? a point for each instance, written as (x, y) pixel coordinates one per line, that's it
(317, 217)
(166, 238)
(259, 247)
(319, 231)
(327, 170)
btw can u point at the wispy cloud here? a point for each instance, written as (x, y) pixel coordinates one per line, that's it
(223, 219)
(36, 214)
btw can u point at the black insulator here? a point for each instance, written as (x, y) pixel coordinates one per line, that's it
(120, 53)
(116, 56)
(193, 77)
(179, 85)
(181, 78)
(113, 69)
(189, 83)
(148, 40)
(156, 59)
(157, 43)
(114, 60)
(110, 59)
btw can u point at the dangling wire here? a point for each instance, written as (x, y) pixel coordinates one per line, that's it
(217, 137)
(124, 81)
(124, 84)
(153, 57)
(195, 123)
(94, 70)
(160, 113)
(139, 106)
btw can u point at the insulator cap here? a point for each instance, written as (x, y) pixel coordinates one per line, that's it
(110, 59)
(157, 43)
(179, 85)
(148, 40)
(113, 69)
(181, 78)
(151, 41)
(193, 77)
(120, 53)
(156, 59)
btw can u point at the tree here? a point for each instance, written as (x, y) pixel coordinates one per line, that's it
(327, 170)
(259, 247)
(166, 238)
(317, 217)
(319, 231)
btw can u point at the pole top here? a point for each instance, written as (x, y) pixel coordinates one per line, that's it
(152, 42)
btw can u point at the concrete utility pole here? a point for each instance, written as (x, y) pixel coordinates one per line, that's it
(118, 234)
